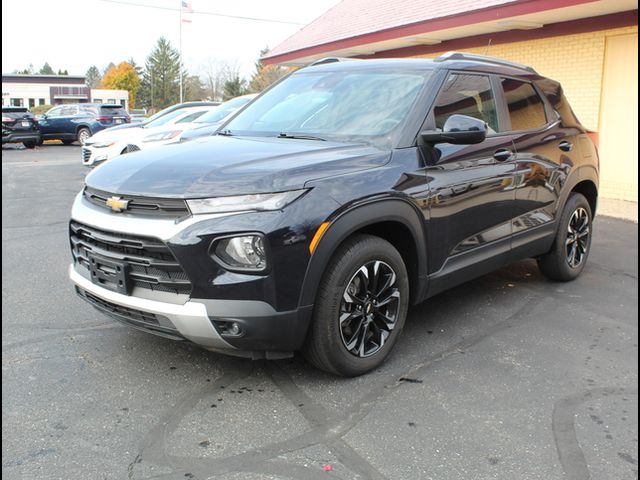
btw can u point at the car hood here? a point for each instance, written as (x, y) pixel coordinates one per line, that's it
(116, 134)
(221, 165)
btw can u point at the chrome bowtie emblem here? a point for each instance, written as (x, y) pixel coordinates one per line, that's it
(117, 204)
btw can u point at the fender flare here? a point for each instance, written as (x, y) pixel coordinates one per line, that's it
(580, 174)
(350, 221)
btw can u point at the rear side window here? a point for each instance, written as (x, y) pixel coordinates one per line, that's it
(115, 110)
(526, 108)
(191, 117)
(469, 95)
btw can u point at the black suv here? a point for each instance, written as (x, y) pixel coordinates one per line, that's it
(20, 126)
(337, 198)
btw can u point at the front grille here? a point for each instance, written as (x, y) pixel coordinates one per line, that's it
(147, 321)
(148, 261)
(157, 207)
(131, 148)
(86, 154)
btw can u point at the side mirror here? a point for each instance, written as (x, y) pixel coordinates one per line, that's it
(459, 130)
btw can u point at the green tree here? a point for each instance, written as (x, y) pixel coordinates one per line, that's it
(265, 75)
(46, 69)
(108, 67)
(234, 87)
(27, 71)
(123, 77)
(63, 72)
(93, 77)
(160, 85)
(194, 89)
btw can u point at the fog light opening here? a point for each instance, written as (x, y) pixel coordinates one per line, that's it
(229, 328)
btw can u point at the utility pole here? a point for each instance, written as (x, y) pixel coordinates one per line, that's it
(180, 72)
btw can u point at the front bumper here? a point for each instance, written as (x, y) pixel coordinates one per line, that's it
(189, 321)
(202, 317)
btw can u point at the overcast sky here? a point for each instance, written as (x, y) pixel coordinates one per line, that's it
(75, 34)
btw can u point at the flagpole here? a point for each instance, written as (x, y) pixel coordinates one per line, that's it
(180, 72)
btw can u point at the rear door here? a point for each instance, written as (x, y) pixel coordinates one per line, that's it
(545, 152)
(471, 186)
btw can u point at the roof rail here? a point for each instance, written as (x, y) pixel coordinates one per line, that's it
(481, 58)
(322, 61)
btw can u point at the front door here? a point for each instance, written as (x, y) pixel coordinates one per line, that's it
(471, 186)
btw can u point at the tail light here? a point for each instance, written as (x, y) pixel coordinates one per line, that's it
(103, 119)
(8, 120)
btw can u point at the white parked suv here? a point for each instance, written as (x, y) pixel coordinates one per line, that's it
(109, 144)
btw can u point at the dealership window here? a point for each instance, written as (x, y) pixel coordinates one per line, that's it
(111, 101)
(41, 101)
(32, 102)
(16, 102)
(526, 109)
(469, 95)
(123, 103)
(97, 100)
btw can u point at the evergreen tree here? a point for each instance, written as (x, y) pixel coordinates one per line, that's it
(93, 77)
(160, 85)
(46, 69)
(234, 88)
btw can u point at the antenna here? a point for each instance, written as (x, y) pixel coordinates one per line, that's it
(488, 45)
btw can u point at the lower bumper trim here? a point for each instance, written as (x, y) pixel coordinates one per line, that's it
(190, 320)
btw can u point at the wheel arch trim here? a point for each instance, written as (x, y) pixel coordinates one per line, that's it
(356, 218)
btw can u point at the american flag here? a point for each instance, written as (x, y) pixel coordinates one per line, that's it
(186, 8)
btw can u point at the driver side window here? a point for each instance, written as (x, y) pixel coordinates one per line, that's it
(54, 112)
(469, 95)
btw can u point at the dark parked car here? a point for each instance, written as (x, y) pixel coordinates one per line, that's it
(333, 201)
(78, 121)
(19, 126)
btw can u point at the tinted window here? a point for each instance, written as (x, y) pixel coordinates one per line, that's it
(167, 117)
(526, 109)
(469, 95)
(106, 110)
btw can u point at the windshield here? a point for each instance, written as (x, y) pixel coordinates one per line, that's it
(165, 118)
(227, 108)
(361, 105)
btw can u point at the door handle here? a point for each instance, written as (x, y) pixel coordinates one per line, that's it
(565, 146)
(502, 154)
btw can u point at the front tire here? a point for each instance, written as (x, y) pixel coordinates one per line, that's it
(30, 144)
(570, 250)
(360, 308)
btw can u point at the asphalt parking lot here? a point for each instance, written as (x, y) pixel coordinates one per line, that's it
(509, 376)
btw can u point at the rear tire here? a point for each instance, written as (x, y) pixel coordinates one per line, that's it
(570, 250)
(30, 145)
(83, 135)
(360, 308)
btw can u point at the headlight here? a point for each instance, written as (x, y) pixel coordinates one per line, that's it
(243, 203)
(156, 137)
(100, 144)
(244, 252)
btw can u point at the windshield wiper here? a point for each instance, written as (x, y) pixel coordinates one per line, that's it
(300, 136)
(226, 133)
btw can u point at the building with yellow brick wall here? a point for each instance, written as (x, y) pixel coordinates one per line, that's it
(590, 47)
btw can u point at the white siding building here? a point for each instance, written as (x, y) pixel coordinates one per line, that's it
(31, 90)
